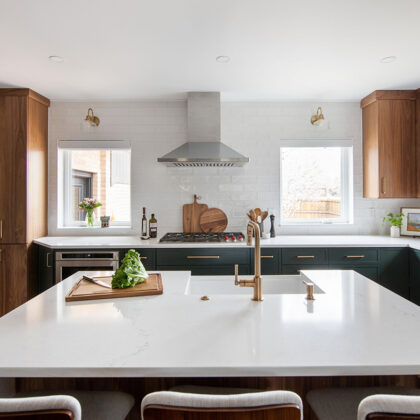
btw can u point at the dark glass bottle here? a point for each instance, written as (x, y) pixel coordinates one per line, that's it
(144, 223)
(153, 227)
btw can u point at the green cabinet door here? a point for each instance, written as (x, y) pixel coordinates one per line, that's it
(394, 270)
(45, 273)
(415, 276)
(270, 261)
(147, 256)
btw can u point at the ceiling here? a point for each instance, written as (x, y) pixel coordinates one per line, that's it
(279, 50)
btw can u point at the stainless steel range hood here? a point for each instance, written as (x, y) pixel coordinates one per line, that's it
(203, 147)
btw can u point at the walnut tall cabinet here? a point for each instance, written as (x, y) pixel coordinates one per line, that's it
(23, 191)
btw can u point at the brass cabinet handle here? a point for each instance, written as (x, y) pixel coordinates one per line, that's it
(355, 256)
(143, 258)
(383, 185)
(267, 256)
(306, 256)
(192, 257)
(48, 254)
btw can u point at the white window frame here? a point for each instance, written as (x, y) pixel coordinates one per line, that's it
(346, 181)
(64, 175)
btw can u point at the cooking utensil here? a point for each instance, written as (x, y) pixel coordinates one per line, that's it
(98, 282)
(213, 220)
(191, 216)
(264, 215)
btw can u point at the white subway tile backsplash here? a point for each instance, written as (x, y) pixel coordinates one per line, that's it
(254, 129)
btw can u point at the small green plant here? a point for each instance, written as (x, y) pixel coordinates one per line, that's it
(393, 220)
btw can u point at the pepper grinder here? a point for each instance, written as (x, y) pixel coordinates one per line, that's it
(272, 230)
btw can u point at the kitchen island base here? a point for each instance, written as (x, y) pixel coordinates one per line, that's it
(139, 387)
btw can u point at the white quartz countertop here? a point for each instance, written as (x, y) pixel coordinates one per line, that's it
(355, 328)
(61, 242)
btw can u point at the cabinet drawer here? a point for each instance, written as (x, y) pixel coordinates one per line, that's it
(371, 272)
(304, 256)
(147, 255)
(295, 269)
(353, 256)
(202, 256)
(270, 261)
(222, 270)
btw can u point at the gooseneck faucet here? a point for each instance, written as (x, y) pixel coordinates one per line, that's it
(256, 283)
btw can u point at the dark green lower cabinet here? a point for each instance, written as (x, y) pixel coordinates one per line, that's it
(270, 261)
(295, 269)
(46, 276)
(223, 270)
(415, 276)
(371, 272)
(147, 256)
(394, 270)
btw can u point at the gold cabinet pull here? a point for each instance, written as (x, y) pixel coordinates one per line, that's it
(48, 254)
(267, 256)
(196, 257)
(383, 185)
(355, 256)
(306, 256)
(143, 258)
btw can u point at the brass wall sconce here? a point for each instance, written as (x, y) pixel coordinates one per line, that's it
(92, 119)
(318, 119)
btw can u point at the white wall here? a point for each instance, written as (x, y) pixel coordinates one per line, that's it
(254, 129)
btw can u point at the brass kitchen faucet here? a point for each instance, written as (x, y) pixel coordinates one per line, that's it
(256, 283)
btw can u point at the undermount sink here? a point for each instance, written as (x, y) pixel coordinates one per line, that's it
(271, 285)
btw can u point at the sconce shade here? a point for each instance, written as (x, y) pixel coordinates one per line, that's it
(318, 119)
(91, 119)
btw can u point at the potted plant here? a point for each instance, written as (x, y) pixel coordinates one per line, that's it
(395, 221)
(89, 204)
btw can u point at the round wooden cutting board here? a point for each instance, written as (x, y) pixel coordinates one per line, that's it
(213, 220)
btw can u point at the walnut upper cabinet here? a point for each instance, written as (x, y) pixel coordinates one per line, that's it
(389, 144)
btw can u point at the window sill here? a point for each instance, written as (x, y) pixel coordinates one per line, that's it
(94, 227)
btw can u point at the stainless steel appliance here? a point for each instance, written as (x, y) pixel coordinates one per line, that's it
(69, 262)
(202, 237)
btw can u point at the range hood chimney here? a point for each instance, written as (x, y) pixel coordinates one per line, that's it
(203, 147)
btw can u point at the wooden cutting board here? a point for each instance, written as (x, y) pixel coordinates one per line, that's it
(213, 220)
(191, 216)
(86, 290)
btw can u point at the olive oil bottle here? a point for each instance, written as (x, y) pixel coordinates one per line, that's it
(153, 226)
(144, 223)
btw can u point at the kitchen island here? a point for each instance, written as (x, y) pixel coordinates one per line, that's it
(354, 327)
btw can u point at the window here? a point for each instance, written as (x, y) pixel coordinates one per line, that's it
(316, 181)
(94, 169)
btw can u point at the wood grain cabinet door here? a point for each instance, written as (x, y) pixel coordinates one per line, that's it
(397, 148)
(13, 277)
(13, 111)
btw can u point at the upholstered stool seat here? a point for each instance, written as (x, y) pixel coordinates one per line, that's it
(343, 403)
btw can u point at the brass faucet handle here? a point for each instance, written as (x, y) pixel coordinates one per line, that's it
(236, 275)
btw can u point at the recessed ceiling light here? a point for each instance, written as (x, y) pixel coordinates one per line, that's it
(56, 58)
(223, 59)
(389, 59)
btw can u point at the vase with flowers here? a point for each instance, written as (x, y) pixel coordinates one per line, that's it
(89, 205)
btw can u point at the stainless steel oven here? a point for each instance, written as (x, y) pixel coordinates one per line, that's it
(69, 262)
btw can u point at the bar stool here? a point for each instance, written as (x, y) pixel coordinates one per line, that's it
(57, 407)
(265, 405)
(343, 403)
(389, 407)
(93, 405)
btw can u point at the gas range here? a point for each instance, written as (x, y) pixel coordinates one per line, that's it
(202, 237)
